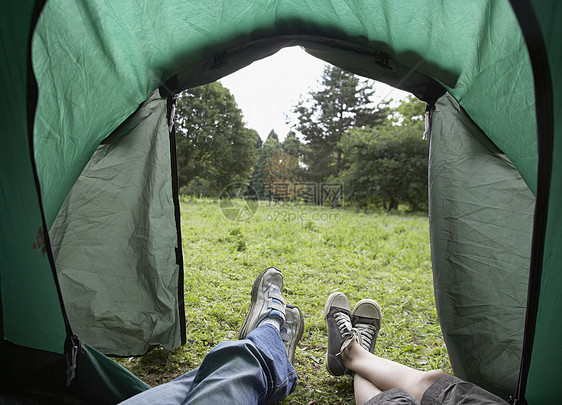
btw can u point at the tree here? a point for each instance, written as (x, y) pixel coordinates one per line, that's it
(387, 164)
(213, 145)
(292, 145)
(278, 164)
(259, 142)
(342, 103)
(409, 112)
(283, 169)
(268, 148)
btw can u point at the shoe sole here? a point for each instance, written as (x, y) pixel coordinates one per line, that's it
(255, 291)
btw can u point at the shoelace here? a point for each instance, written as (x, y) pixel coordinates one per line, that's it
(367, 333)
(344, 323)
(348, 333)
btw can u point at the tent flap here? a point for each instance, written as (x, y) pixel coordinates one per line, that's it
(481, 217)
(102, 381)
(114, 241)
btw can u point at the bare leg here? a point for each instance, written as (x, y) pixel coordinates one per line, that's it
(385, 374)
(364, 389)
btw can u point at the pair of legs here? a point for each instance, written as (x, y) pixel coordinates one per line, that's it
(352, 336)
(373, 375)
(256, 369)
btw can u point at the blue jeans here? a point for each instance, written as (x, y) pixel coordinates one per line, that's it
(255, 370)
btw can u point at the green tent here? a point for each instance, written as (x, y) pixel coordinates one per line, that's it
(90, 247)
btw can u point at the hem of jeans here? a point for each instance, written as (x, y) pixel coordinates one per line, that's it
(430, 395)
(389, 395)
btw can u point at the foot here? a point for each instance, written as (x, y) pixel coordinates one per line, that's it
(266, 301)
(366, 318)
(291, 331)
(340, 332)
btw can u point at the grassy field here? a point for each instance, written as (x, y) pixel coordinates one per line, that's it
(381, 256)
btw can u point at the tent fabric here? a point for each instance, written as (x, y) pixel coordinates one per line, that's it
(114, 241)
(481, 220)
(353, 57)
(545, 375)
(95, 62)
(39, 377)
(31, 310)
(102, 381)
(486, 70)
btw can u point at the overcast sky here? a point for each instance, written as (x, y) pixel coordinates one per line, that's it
(267, 90)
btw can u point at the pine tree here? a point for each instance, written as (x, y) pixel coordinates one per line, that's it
(342, 103)
(269, 147)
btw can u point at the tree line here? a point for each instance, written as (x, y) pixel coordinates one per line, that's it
(375, 153)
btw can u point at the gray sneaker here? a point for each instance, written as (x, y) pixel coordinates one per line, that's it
(340, 331)
(266, 301)
(366, 318)
(292, 330)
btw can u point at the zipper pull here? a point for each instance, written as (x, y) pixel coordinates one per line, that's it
(71, 359)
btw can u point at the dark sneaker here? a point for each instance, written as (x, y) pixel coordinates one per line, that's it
(366, 318)
(292, 329)
(266, 301)
(340, 332)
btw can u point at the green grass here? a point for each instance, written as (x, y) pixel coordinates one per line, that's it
(381, 256)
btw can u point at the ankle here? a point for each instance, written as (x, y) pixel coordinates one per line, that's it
(422, 381)
(429, 377)
(275, 321)
(349, 354)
